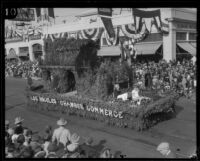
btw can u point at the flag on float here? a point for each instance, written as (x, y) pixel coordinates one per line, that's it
(106, 14)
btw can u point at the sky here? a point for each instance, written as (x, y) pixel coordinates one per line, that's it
(67, 13)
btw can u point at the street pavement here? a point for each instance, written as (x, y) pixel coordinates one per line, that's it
(180, 131)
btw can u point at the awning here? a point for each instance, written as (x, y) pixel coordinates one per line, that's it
(193, 44)
(188, 47)
(109, 51)
(11, 55)
(147, 49)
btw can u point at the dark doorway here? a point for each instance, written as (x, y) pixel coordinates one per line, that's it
(37, 51)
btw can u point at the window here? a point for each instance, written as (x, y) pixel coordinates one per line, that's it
(192, 36)
(181, 36)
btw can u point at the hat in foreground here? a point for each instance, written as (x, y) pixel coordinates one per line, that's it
(61, 122)
(18, 120)
(163, 146)
(74, 138)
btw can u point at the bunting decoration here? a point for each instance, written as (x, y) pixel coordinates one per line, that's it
(93, 34)
(106, 14)
(148, 17)
(129, 30)
(115, 40)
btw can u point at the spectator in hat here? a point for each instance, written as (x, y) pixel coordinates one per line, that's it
(18, 129)
(74, 142)
(61, 134)
(164, 149)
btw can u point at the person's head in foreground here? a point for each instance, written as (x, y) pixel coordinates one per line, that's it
(164, 149)
(61, 122)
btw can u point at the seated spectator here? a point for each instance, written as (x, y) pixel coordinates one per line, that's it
(19, 128)
(7, 124)
(9, 151)
(40, 154)
(105, 153)
(52, 148)
(47, 141)
(35, 142)
(74, 143)
(86, 150)
(28, 135)
(26, 153)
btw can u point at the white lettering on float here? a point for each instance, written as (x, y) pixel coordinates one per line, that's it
(101, 111)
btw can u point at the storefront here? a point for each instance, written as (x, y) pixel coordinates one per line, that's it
(26, 50)
(181, 32)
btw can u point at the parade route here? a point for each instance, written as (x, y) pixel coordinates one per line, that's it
(180, 131)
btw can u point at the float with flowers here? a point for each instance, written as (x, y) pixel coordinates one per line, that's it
(78, 83)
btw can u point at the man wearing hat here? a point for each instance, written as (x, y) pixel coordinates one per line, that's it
(61, 134)
(18, 129)
(164, 149)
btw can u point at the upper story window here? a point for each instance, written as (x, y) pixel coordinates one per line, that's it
(192, 36)
(181, 35)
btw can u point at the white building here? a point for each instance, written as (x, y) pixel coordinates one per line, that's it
(182, 33)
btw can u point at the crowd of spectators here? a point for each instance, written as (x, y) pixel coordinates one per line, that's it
(163, 76)
(22, 142)
(16, 68)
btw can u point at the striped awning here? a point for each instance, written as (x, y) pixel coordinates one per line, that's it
(147, 48)
(193, 44)
(188, 47)
(109, 51)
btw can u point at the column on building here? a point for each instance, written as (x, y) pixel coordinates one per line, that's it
(31, 54)
(43, 50)
(169, 43)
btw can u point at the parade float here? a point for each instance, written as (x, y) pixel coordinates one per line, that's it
(77, 83)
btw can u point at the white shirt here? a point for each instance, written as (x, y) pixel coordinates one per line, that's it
(72, 147)
(45, 147)
(61, 135)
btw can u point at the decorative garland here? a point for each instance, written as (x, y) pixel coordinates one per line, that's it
(117, 113)
(115, 41)
(93, 34)
(130, 31)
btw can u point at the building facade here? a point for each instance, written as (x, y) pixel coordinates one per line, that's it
(182, 33)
